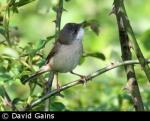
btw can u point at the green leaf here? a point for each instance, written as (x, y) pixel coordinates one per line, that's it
(82, 59)
(93, 24)
(57, 106)
(95, 28)
(5, 77)
(2, 31)
(23, 78)
(96, 54)
(42, 62)
(15, 101)
(145, 38)
(2, 92)
(67, 0)
(9, 52)
(15, 9)
(3, 69)
(41, 44)
(1, 19)
(23, 2)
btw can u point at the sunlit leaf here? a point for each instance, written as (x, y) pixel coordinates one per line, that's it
(40, 44)
(29, 100)
(9, 52)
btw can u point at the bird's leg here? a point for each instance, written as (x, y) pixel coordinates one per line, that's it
(58, 86)
(83, 78)
(57, 82)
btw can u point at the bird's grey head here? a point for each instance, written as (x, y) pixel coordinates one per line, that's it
(71, 32)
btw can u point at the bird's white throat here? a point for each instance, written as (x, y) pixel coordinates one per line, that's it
(80, 34)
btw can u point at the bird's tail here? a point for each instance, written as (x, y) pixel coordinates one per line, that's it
(41, 71)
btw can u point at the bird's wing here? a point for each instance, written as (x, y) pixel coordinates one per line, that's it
(53, 51)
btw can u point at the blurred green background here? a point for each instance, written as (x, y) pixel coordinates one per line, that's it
(34, 22)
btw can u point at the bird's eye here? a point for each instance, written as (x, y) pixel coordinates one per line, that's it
(75, 30)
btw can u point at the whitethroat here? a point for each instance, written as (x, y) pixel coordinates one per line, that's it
(66, 53)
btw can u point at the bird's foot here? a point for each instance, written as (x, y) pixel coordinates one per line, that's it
(58, 87)
(83, 79)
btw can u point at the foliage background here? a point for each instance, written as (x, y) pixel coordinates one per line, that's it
(34, 23)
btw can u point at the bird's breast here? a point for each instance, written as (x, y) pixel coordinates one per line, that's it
(67, 57)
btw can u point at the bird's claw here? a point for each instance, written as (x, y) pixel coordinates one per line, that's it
(83, 80)
(58, 90)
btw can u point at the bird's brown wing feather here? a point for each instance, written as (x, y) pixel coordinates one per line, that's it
(53, 51)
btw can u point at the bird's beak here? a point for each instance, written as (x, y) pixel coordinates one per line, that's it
(83, 24)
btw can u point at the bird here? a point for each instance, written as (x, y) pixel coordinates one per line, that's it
(66, 52)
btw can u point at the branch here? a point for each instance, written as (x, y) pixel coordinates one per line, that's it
(121, 8)
(132, 85)
(80, 81)
(57, 30)
(58, 17)
(48, 88)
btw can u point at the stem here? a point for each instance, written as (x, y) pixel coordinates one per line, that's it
(57, 30)
(77, 82)
(136, 47)
(58, 18)
(6, 24)
(132, 87)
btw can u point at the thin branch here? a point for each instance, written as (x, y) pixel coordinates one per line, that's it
(58, 16)
(80, 81)
(132, 85)
(6, 24)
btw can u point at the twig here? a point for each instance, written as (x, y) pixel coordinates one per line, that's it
(132, 85)
(80, 81)
(58, 17)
